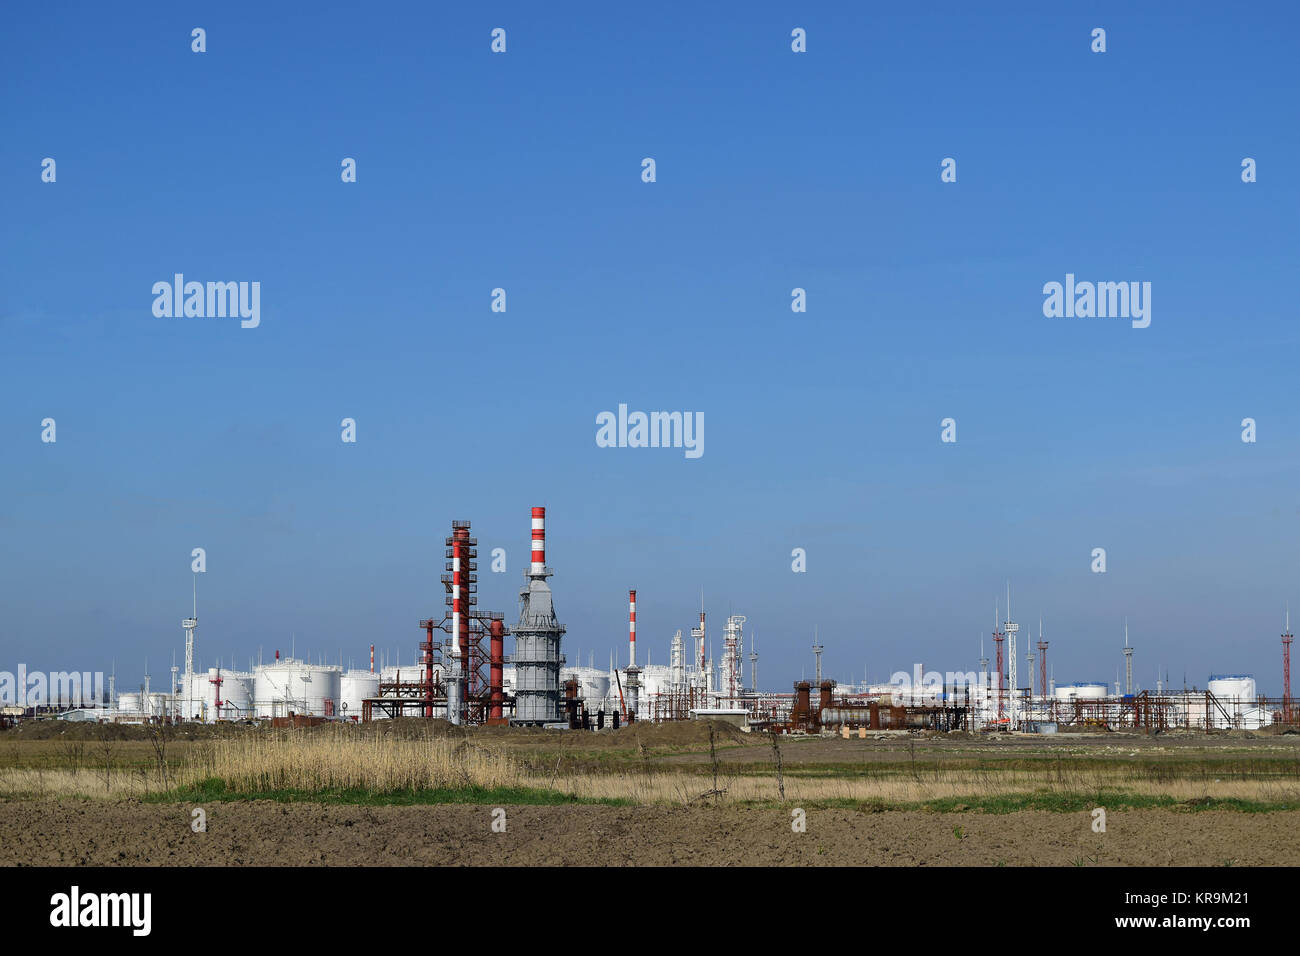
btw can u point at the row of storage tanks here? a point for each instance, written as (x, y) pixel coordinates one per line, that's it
(1234, 705)
(288, 685)
(1231, 687)
(323, 690)
(599, 689)
(272, 690)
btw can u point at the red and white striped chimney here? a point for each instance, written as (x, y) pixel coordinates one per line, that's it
(631, 628)
(372, 658)
(539, 541)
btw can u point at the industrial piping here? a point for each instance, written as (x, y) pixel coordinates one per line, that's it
(497, 631)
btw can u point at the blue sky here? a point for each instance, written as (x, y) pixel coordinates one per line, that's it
(775, 170)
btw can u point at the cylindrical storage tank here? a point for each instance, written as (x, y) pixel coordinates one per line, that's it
(128, 704)
(157, 705)
(1081, 690)
(355, 687)
(1233, 687)
(236, 695)
(271, 690)
(298, 687)
(195, 700)
(211, 694)
(593, 684)
(319, 686)
(1234, 696)
(838, 716)
(655, 679)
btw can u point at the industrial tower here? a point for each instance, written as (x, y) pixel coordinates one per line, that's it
(537, 639)
(1042, 665)
(1128, 663)
(190, 623)
(984, 668)
(733, 657)
(1012, 628)
(1286, 669)
(998, 637)
(633, 672)
(817, 650)
(753, 664)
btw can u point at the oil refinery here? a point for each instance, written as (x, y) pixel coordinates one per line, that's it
(461, 673)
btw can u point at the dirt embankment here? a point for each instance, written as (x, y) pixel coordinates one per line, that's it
(88, 833)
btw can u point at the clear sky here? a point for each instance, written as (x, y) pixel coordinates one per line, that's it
(775, 170)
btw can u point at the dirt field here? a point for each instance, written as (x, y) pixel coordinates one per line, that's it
(83, 796)
(89, 833)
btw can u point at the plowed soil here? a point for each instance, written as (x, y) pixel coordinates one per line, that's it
(85, 832)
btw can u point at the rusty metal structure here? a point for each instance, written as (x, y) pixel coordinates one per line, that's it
(478, 696)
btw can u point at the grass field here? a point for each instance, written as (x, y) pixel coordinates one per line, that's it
(704, 772)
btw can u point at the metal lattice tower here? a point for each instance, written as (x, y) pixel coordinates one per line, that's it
(1286, 669)
(984, 673)
(998, 638)
(1011, 628)
(1042, 663)
(462, 595)
(190, 623)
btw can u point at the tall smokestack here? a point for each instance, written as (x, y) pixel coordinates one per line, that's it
(461, 580)
(539, 542)
(631, 628)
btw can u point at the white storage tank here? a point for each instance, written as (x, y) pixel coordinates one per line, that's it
(195, 701)
(593, 683)
(128, 705)
(293, 686)
(655, 679)
(354, 687)
(1081, 690)
(198, 700)
(1234, 701)
(157, 705)
(1233, 686)
(236, 695)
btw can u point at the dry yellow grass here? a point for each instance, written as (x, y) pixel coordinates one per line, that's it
(75, 783)
(684, 788)
(333, 760)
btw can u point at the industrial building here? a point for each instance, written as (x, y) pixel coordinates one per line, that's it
(462, 674)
